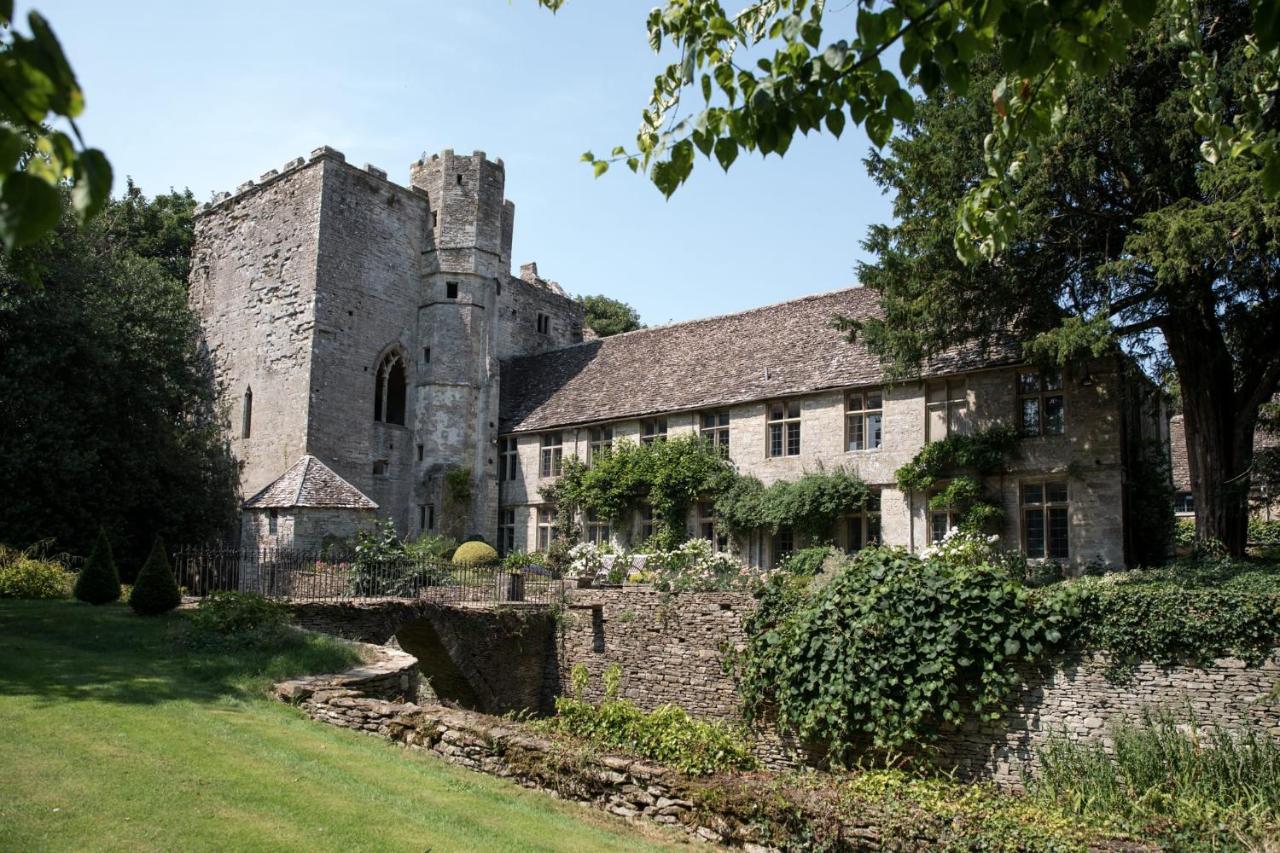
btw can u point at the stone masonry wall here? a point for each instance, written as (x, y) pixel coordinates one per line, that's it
(1088, 457)
(671, 649)
(747, 811)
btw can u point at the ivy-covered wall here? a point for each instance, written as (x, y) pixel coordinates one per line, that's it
(672, 648)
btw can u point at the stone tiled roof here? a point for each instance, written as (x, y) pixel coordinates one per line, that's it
(1181, 470)
(783, 349)
(310, 483)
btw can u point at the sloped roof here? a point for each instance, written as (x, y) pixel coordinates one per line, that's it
(778, 350)
(310, 483)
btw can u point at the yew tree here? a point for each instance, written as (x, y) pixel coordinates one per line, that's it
(1125, 234)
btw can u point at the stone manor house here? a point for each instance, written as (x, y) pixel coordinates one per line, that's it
(378, 359)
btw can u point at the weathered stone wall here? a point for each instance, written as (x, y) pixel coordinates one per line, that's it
(301, 527)
(490, 660)
(252, 283)
(672, 648)
(1088, 457)
(747, 811)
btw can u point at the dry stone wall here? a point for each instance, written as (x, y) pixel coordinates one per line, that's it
(672, 648)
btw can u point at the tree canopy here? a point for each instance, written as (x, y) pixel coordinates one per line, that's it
(607, 316)
(782, 67)
(1125, 234)
(108, 407)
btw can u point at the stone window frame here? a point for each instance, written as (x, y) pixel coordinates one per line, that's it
(546, 524)
(273, 522)
(1049, 500)
(506, 530)
(1048, 387)
(596, 529)
(384, 402)
(950, 397)
(866, 523)
(544, 323)
(653, 429)
(426, 517)
(599, 440)
(782, 545)
(551, 455)
(1184, 503)
(942, 520)
(508, 459)
(782, 435)
(861, 410)
(451, 290)
(713, 426)
(646, 522)
(709, 529)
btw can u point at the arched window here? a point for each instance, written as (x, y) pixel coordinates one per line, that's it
(246, 420)
(388, 394)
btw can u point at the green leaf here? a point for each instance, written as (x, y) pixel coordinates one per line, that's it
(835, 122)
(600, 167)
(93, 183)
(879, 128)
(1266, 23)
(1271, 172)
(29, 207)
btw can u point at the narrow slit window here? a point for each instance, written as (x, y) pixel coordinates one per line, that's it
(450, 290)
(246, 421)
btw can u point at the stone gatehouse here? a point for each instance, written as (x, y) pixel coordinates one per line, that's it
(379, 329)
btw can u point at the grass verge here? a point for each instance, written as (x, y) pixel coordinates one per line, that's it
(115, 736)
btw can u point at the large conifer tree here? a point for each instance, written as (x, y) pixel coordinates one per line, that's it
(1125, 234)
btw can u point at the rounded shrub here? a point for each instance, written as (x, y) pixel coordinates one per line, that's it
(155, 591)
(25, 577)
(99, 582)
(474, 554)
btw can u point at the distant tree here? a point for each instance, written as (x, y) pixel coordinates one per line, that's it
(108, 408)
(1125, 234)
(99, 582)
(36, 161)
(606, 316)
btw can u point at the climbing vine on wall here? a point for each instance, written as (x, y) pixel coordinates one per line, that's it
(809, 505)
(667, 476)
(962, 460)
(893, 648)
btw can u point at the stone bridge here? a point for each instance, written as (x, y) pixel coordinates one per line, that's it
(479, 657)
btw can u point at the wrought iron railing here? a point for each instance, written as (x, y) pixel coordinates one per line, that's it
(334, 575)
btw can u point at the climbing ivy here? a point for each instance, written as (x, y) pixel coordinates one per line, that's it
(809, 505)
(668, 476)
(893, 648)
(961, 459)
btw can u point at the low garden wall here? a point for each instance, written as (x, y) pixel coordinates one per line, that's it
(754, 811)
(673, 648)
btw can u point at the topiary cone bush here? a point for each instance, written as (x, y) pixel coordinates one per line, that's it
(99, 582)
(155, 591)
(474, 554)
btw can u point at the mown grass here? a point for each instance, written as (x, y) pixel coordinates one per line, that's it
(115, 736)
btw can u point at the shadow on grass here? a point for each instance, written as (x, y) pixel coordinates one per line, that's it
(70, 651)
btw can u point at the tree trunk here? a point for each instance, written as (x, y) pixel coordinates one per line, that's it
(1219, 422)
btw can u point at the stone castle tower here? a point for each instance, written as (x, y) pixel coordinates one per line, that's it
(363, 323)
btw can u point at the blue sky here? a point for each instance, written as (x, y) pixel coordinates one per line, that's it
(208, 95)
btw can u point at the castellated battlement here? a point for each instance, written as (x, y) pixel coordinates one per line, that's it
(324, 152)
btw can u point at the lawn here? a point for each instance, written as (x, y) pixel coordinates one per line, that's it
(114, 737)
